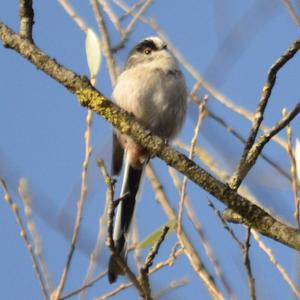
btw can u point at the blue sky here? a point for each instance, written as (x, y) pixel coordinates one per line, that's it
(42, 127)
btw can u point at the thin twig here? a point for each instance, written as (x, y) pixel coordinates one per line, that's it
(243, 166)
(70, 10)
(201, 117)
(173, 285)
(293, 172)
(244, 247)
(273, 259)
(292, 12)
(35, 236)
(149, 261)
(24, 235)
(217, 118)
(132, 23)
(111, 14)
(110, 241)
(198, 226)
(226, 226)
(247, 263)
(116, 291)
(157, 267)
(110, 183)
(85, 286)
(26, 19)
(80, 206)
(96, 252)
(134, 7)
(106, 46)
(188, 247)
(248, 162)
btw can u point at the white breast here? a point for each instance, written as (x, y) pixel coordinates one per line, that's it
(155, 95)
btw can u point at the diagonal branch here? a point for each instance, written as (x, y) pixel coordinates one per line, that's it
(240, 173)
(256, 149)
(144, 278)
(89, 97)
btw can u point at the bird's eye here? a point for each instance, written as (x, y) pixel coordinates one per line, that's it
(147, 51)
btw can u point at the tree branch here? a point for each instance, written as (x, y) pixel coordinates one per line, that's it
(144, 279)
(89, 97)
(241, 171)
(110, 241)
(26, 19)
(250, 159)
(188, 247)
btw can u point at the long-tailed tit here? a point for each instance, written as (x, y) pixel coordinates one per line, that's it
(153, 89)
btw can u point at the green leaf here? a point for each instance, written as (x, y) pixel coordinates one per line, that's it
(154, 236)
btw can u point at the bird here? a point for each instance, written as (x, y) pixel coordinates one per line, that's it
(153, 89)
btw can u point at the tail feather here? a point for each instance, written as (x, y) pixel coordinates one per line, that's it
(130, 187)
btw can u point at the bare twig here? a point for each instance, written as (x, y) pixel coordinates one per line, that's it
(226, 227)
(113, 17)
(26, 19)
(253, 153)
(110, 241)
(244, 247)
(188, 247)
(273, 259)
(171, 287)
(110, 183)
(292, 12)
(235, 133)
(36, 238)
(202, 114)
(15, 209)
(241, 170)
(132, 23)
(133, 8)
(247, 263)
(116, 291)
(106, 46)
(293, 172)
(70, 10)
(157, 267)
(149, 261)
(96, 252)
(85, 286)
(198, 226)
(80, 206)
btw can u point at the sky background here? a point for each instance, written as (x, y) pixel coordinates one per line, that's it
(42, 139)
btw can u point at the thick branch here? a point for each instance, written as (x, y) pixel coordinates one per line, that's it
(89, 97)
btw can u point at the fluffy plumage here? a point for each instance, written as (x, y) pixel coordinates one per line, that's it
(153, 89)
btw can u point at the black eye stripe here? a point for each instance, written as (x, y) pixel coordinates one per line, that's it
(144, 45)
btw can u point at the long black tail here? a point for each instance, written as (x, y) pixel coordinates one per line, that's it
(124, 215)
